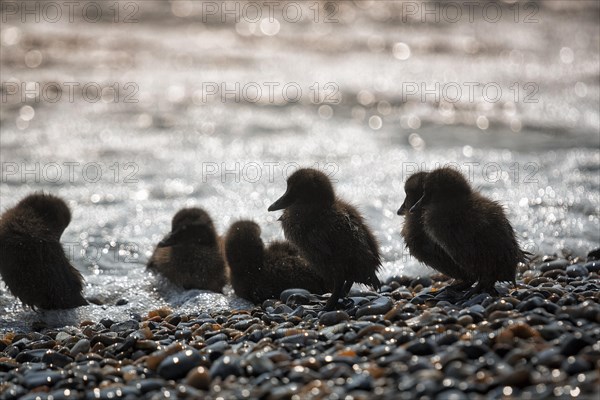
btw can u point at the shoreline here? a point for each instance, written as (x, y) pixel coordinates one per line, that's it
(537, 340)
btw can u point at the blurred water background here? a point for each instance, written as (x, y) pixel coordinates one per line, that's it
(132, 110)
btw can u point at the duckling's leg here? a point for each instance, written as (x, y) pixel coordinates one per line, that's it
(482, 287)
(374, 281)
(346, 301)
(459, 286)
(453, 292)
(338, 288)
(347, 287)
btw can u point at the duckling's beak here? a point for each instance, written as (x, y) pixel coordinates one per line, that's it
(283, 202)
(402, 209)
(417, 205)
(167, 241)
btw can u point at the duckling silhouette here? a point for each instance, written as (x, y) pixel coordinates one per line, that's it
(330, 233)
(190, 255)
(420, 245)
(259, 273)
(471, 228)
(33, 263)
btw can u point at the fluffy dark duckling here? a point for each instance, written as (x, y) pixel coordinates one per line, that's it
(190, 255)
(259, 273)
(420, 245)
(471, 228)
(33, 262)
(330, 233)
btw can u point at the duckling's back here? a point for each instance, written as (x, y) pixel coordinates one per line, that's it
(244, 251)
(424, 249)
(504, 252)
(479, 237)
(285, 268)
(335, 239)
(191, 266)
(34, 264)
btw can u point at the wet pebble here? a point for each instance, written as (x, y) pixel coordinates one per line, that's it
(55, 359)
(149, 385)
(333, 317)
(286, 294)
(553, 265)
(124, 326)
(575, 365)
(577, 271)
(380, 305)
(593, 266)
(573, 344)
(199, 378)
(30, 356)
(420, 347)
(402, 343)
(177, 366)
(82, 346)
(226, 366)
(42, 378)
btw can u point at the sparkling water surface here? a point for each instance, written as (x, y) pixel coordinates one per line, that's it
(173, 148)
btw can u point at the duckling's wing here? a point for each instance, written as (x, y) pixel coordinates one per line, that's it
(322, 245)
(67, 281)
(160, 257)
(363, 248)
(39, 273)
(17, 267)
(483, 245)
(321, 241)
(361, 233)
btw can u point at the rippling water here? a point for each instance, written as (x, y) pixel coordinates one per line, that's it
(515, 107)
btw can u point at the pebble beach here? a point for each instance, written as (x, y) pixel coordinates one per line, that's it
(106, 106)
(538, 340)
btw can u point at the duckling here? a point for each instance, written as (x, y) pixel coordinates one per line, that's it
(259, 273)
(330, 233)
(190, 255)
(471, 228)
(33, 264)
(420, 245)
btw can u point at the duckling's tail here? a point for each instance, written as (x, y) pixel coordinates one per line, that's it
(527, 257)
(374, 281)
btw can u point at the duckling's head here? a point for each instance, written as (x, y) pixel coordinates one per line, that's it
(190, 225)
(413, 187)
(189, 216)
(244, 229)
(445, 186)
(306, 186)
(51, 209)
(243, 246)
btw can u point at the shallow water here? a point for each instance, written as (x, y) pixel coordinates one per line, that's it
(127, 167)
